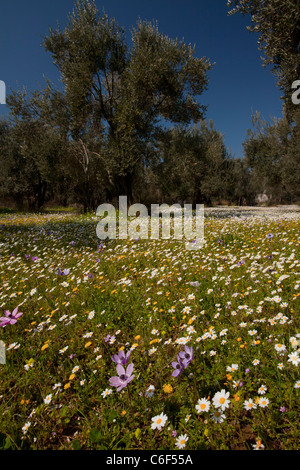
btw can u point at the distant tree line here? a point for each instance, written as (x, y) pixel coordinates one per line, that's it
(128, 121)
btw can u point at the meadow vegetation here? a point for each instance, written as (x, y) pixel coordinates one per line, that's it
(203, 345)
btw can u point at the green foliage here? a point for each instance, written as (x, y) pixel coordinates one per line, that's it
(129, 120)
(122, 93)
(193, 164)
(55, 390)
(271, 152)
(277, 23)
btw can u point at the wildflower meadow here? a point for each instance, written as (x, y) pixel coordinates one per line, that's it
(144, 345)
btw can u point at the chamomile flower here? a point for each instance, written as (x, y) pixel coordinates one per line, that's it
(220, 400)
(223, 332)
(232, 368)
(57, 385)
(159, 421)
(88, 335)
(262, 390)
(294, 358)
(26, 427)
(48, 398)
(258, 445)
(152, 351)
(263, 402)
(150, 391)
(181, 441)
(249, 404)
(202, 405)
(281, 348)
(183, 340)
(294, 342)
(252, 332)
(218, 417)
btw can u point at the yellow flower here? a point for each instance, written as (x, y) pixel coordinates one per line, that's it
(72, 376)
(67, 386)
(44, 347)
(156, 340)
(87, 344)
(124, 412)
(137, 337)
(167, 388)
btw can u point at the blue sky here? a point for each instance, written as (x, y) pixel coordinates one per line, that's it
(238, 86)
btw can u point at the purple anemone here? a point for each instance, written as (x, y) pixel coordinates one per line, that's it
(178, 366)
(186, 356)
(123, 378)
(121, 358)
(10, 317)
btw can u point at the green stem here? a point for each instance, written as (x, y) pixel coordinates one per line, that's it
(129, 398)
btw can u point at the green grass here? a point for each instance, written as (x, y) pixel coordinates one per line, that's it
(140, 294)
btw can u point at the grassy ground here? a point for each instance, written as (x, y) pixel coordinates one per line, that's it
(235, 302)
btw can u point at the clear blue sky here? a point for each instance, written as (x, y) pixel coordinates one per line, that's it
(238, 86)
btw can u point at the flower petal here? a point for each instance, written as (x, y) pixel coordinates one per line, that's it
(129, 369)
(115, 381)
(120, 369)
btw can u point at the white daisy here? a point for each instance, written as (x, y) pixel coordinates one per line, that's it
(294, 358)
(232, 368)
(263, 402)
(262, 390)
(280, 348)
(220, 400)
(48, 398)
(202, 405)
(181, 441)
(159, 421)
(106, 392)
(249, 404)
(150, 391)
(26, 427)
(218, 417)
